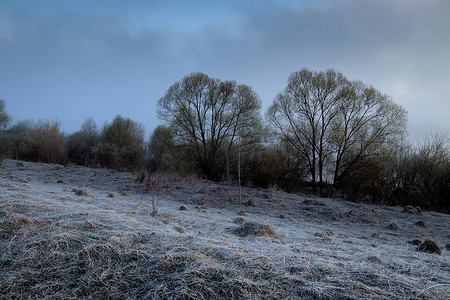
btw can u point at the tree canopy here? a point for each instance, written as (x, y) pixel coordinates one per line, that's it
(333, 123)
(121, 144)
(208, 114)
(5, 119)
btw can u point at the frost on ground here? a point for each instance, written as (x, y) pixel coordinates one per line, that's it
(75, 232)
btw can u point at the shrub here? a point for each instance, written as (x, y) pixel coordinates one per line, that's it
(281, 167)
(4, 121)
(121, 144)
(50, 142)
(81, 144)
(5, 146)
(161, 150)
(22, 142)
(406, 175)
(4, 117)
(80, 148)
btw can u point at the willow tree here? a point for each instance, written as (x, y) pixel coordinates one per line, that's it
(366, 123)
(333, 123)
(208, 115)
(303, 113)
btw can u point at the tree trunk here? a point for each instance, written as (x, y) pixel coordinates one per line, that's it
(335, 179)
(228, 168)
(313, 180)
(239, 166)
(313, 167)
(320, 181)
(321, 171)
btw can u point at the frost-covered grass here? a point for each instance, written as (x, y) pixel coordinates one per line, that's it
(56, 242)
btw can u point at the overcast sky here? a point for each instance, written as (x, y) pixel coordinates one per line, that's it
(70, 60)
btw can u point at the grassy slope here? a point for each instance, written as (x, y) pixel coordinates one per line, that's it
(56, 244)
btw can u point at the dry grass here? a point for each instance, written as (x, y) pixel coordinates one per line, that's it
(273, 199)
(82, 192)
(85, 264)
(13, 223)
(127, 240)
(412, 210)
(430, 247)
(326, 234)
(239, 220)
(250, 202)
(254, 229)
(161, 214)
(393, 227)
(180, 229)
(57, 247)
(230, 197)
(421, 224)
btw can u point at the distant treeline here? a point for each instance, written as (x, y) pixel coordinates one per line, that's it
(323, 134)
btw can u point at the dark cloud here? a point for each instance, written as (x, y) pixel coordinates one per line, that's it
(102, 58)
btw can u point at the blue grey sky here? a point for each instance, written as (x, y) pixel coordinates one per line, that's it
(70, 60)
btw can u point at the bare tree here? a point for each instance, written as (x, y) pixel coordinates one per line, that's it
(207, 114)
(50, 141)
(333, 123)
(303, 113)
(89, 127)
(366, 120)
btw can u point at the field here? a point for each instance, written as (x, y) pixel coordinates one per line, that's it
(74, 232)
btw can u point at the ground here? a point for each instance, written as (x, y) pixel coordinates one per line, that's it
(76, 232)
